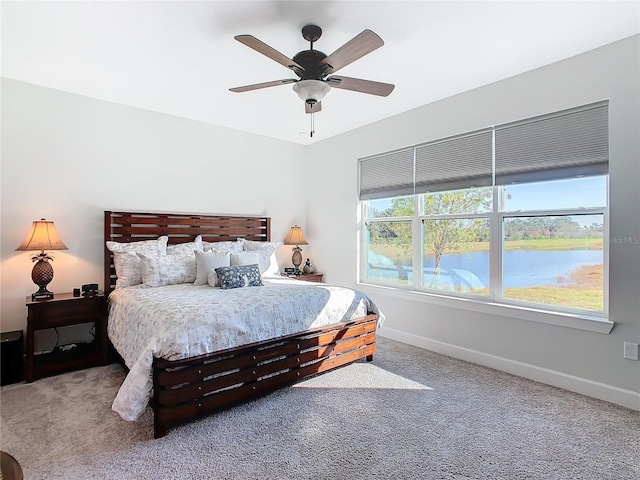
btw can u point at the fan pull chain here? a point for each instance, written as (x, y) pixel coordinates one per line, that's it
(313, 128)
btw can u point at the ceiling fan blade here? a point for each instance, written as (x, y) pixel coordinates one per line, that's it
(357, 47)
(312, 107)
(363, 86)
(257, 86)
(259, 46)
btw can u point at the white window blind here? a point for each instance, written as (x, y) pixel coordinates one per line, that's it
(564, 144)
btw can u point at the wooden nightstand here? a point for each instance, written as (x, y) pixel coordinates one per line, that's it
(63, 310)
(309, 277)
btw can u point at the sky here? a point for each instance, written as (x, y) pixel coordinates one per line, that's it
(573, 193)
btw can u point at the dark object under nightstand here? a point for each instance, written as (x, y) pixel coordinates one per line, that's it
(309, 277)
(12, 366)
(64, 310)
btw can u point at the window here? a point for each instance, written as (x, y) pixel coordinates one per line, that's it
(515, 214)
(390, 252)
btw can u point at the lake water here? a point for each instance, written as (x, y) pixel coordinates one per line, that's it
(522, 268)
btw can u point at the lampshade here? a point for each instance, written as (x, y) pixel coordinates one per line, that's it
(43, 236)
(295, 237)
(313, 90)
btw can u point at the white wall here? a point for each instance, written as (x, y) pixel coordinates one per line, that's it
(579, 360)
(68, 158)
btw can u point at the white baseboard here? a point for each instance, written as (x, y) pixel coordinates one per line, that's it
(602, 391)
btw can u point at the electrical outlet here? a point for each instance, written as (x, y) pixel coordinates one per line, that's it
(631, 351)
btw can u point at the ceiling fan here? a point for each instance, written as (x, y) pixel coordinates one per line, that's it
(313, 67)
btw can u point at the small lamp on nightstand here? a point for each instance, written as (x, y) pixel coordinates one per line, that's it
(296, 237)
(43, 236)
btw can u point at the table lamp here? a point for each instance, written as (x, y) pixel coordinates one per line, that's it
(43, 236)
(296, 237)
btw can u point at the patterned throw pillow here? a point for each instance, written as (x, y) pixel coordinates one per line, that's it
(167, 269)
(267, 259)
(239, 276)
(127, 263)
(223, 246)
(186, 248)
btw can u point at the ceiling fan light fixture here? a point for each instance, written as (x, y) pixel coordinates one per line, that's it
(311, 91)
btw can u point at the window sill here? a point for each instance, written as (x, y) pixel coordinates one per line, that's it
(580, 322)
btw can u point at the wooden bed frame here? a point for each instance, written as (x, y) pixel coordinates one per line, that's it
(188, 388)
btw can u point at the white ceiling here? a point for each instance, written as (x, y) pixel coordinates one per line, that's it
(180, 57)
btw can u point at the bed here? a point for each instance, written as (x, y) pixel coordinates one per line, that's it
(217, 371)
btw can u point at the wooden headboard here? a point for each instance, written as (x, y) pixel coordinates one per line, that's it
(179, 227)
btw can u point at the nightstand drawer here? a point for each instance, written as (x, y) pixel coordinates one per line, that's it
(62, 313)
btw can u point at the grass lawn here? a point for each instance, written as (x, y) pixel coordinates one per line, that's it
(574, 297)
(536, 244)
(555, 244)
(585, 290)
(403, 253)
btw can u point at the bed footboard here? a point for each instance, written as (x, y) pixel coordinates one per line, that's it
(186, 389)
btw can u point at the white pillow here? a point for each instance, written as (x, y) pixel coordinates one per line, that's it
(207, 262)
(244, 258)
(267, 260)
(224, 246)
(162, 270)
(186, 248)
(127, 263)
(213, 279)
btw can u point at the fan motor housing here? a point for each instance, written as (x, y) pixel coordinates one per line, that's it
(310, 60)
(311, 33)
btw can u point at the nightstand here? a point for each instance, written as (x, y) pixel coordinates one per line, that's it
(64, 310)
(309, 277)
(12, 360)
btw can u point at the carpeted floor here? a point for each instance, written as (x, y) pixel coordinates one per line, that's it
(410, 414)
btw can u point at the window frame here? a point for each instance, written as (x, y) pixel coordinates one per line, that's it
(604, 211)
(495, 297)
(570, 143)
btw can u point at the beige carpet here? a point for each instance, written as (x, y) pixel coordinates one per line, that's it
(410, 414)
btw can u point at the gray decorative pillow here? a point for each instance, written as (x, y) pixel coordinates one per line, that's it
(239, 276)
(186, 248)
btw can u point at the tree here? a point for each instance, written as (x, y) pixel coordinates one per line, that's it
(396, 233)
(441, 236)
(545, 227)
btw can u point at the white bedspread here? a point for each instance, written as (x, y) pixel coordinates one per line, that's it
(180, 321)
